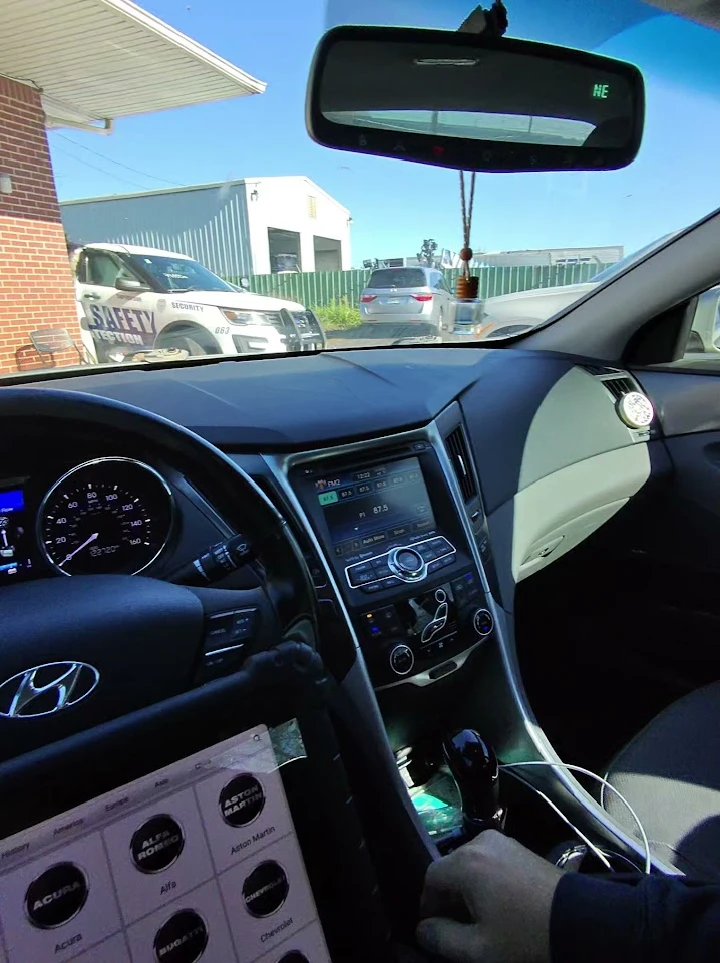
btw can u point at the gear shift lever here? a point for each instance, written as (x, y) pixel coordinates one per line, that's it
(474, 768)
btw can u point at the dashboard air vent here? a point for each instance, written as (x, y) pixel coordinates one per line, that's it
(458, 452)
(619, 386)
(599, 370)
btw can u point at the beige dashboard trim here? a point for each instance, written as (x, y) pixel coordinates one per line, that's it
(558, 512)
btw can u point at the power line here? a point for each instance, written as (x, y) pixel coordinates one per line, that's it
(127, 167)
(96, 168)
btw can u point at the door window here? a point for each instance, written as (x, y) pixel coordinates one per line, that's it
(103, 268)
(704, 339)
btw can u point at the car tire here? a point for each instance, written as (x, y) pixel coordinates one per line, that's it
(183, 342)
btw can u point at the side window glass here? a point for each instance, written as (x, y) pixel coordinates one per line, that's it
(704, 338)
(81, 267)
(102, 269)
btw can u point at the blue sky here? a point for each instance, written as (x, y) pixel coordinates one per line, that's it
(395, 205)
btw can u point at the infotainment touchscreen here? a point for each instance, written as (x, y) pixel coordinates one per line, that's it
(198, 861)
(366, 507)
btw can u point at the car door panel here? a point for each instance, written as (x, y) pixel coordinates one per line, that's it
(114, 319)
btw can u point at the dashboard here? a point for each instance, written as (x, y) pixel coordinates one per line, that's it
(422, 484)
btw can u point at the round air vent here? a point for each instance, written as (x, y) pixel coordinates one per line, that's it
(636, 409)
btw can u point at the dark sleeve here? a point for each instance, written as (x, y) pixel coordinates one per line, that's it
(634, 919)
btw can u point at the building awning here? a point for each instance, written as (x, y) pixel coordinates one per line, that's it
(95, 60)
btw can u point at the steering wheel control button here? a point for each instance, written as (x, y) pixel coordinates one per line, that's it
(218, 630)
(182, 939)
(242, 627)
(636, 410)
(156, 844)
(401, 659)
(265, 890)
(56, 896)
(224, 629)
(483, 622)
(242, 800)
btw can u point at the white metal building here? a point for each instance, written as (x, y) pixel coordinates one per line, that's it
(257, 225)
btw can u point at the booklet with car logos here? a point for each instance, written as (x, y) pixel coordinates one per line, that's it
(197, 862)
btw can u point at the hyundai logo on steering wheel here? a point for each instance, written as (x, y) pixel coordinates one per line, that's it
(47, 688)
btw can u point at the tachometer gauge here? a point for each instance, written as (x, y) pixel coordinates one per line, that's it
(107, 516)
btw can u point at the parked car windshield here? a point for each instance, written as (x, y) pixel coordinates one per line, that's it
(201, 151)
(178, 274)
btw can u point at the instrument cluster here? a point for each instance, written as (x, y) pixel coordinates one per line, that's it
(110, 515)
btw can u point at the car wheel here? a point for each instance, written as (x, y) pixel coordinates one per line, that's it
(160, 354)
(183, 342)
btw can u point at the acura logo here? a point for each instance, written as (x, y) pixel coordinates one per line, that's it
(46, 689)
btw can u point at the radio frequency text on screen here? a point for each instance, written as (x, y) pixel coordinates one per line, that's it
(369, 507)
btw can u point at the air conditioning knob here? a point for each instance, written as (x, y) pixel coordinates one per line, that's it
(401, 659)
(407, 564)
(482, 622)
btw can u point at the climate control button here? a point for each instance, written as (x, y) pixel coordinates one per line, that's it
(401, 659)
(483, 622)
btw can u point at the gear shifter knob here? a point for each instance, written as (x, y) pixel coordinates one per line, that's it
(474, 767)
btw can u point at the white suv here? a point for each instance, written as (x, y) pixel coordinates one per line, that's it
(140, 303)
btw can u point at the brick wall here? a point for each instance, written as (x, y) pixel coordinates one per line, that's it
(36, 289)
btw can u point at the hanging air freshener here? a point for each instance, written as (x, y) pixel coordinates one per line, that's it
(466, 287)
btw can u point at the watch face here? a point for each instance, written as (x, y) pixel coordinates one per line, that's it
(636, 410)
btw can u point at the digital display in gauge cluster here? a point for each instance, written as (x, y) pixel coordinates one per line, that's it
(105, 516)
(15, 532)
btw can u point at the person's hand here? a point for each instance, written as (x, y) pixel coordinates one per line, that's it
(488, 902)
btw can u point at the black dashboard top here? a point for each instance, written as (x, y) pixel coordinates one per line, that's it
(309, 401)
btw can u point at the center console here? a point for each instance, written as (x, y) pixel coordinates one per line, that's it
(390, 529)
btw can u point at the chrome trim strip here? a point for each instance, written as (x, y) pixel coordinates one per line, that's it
(228, 648)
(533, 730)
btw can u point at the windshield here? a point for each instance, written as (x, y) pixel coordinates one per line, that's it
(247, 238)
(625, 262)
(177, 274)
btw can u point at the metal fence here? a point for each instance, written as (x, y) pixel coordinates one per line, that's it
(325, 287)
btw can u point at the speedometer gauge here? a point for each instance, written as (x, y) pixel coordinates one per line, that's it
(107, 516)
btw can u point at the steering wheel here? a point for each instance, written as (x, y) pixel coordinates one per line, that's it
(77, 652)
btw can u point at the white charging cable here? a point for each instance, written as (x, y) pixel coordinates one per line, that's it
(605, 784)
(590, 845)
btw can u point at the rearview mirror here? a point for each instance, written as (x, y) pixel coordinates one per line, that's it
(468, 103)
(130, 285)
